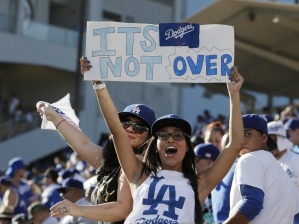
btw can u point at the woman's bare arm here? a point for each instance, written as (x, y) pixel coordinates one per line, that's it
(130, 164)
(214, 174)
(76, 139)
(108, 212)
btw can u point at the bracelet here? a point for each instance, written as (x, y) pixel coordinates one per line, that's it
(60, 123)
(98, 85)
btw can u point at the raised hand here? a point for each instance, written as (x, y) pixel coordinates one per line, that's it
(46, 108)
(237, 80)
(85, 65)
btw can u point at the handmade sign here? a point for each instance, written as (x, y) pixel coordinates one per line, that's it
(175, 52)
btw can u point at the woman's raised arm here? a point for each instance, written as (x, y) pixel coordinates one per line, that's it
(214, 174)
(130, 164)
(76, 139)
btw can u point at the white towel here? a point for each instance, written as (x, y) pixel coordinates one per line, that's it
(64, 109)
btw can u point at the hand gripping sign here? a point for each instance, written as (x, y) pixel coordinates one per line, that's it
(179, 52)
(64, 109)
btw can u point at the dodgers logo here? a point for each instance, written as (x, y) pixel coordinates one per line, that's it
(170, 33)
(179, 34)
(275, 128)
(136, 110)
(172, 203)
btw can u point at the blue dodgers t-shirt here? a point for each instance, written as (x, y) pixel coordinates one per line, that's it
(221, 195)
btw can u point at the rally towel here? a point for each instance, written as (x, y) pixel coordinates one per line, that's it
(64, 109)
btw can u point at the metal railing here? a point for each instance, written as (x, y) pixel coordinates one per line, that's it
(40, 31)
(50, 33)
(12, 128)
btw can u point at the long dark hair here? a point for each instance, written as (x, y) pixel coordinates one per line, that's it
(152, 163)
(110, 161)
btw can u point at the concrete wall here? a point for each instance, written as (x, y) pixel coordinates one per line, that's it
(20, 50)
(49, 71)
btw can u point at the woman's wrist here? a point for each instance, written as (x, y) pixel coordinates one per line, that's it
(98, 85)
(96, 82)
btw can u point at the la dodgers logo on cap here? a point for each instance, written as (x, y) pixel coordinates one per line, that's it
(136, 110)
(208, 155)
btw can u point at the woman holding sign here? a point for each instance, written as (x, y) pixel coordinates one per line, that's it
(111, 198)
(164, 186)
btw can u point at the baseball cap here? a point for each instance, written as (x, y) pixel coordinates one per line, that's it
(171, 120)
(5, 180)
(254, 121)
(277, 128)
(35, 207)
(266, 117)
(20, 218)
(6, 212)
(292, 124)
(59, 167)
(14, 164)
(70, 182)
(206, 151)
(140, 111)
(66, 174)
(51, 173)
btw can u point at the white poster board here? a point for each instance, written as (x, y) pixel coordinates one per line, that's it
(131, 52)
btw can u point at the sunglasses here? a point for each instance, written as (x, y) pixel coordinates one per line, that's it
(177, 135)
(137, 128)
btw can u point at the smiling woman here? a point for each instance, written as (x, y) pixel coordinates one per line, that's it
(111, 197)
(168, 169)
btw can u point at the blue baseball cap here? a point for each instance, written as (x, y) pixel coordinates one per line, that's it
(266, 117)
(66, 174)
(171, 120)
(5, 180)
(70, 182)
(206, 151)
(140, 111)
(254, 121)
(292, 124)
(14, 164)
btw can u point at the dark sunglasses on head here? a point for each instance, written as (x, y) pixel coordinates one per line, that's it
(137, 128)
(177, 135)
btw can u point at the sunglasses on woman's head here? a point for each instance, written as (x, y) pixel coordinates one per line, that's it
(137, 128)
(176, 135)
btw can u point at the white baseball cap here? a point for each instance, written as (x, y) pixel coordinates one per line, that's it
(277, 128)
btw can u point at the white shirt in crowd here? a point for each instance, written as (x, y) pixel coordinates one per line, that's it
(77, 220)
(290, 163)
(50, 220)
(261, 170)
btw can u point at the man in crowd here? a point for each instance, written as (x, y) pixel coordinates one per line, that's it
(292, 128)
(286, 158)
(50, 196)
(11, 197)
(73, 191)
(221, 193)
(206, 154)
(15, 171)
(39, 214)
(261, 191)
(6, 214)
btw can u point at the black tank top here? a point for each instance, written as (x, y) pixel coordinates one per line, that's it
(106, 191)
